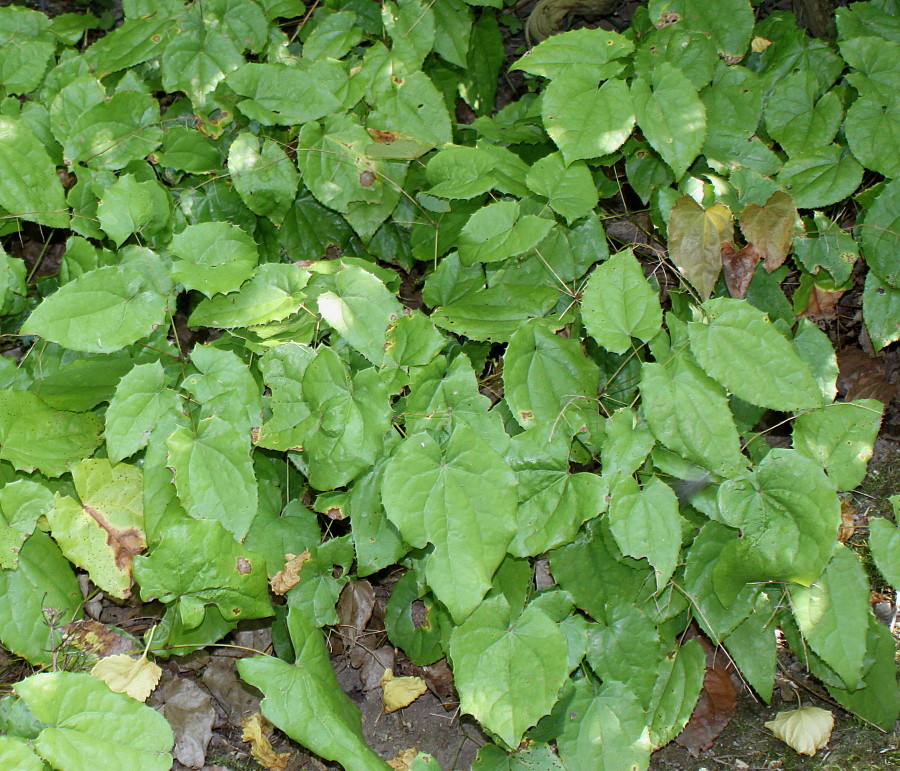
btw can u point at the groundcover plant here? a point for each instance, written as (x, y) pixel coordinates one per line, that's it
(293, 284)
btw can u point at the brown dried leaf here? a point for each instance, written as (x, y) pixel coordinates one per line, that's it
(695, 241)
(354, 609)
(403, 760)
(289, 576)
(770, 228)
(439, 678)
(863, 377)
(739, 268)
(255, 732)
(96, 639)
(822, 302)
(848, 522)
(712, 713)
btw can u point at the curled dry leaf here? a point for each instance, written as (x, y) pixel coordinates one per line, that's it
(399, 692)
(738, 267)
(289, 576)
(255, 731)
(403, 760)
(712, 713)
(848, 522)
(805, 730)
(123, 674)
(822, 302)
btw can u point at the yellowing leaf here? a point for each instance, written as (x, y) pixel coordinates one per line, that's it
(255, 730)
(695, 241)
(289, 576)
(805, 730)
(404, 758)
(759, 44)
(123, 674)
(397, 692)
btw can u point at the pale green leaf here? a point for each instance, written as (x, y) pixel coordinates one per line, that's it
(695, 241)
(498, 231)
(101, 311)
(460, 172)
(534, 757)
(223, 573)
(287, 96)
(570, 190)
(29, 187)
(813, 346)
(197, 60)
(213, 257)
(415, 107)
(646, 524)
(130, 207)
(618, 303)
(832, 614)
(508, 667)
(671, 116)
(84, 720)
(16, 753)
(21, 503)
(42, 579)
(103, 530)
(584, 121)
(744, 352)
(265, 178)
(884, 540)
(136, 40)
(34, 435)
(214, 474)
(26, 48)
(224, 388)
(591, 54)
(141, 401)
(461, 497)
(796, 119)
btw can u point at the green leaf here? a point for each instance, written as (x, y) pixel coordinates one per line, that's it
(333, 37)
(840, 438)
(618, 303)
(590, 54)
(788, 514)
(832, 615)
(820, 178)
(410, 25)
(306, 702)
(743, 351)
(42, 579)
(694, 53)
(187, 149)
(676, 692)
(881, 311)
(508, 667)
(29, 187)
(729, 23)
(606, 730)
(419, 636)
(646, 524)
(535, 757)
(627, 443)
(223, 573)
(460, 496)
(831, 248)
(460, 172)
(16, 753)
(544, 375)
(130, 207)
(142, 399)
(498, 231)
(873, 135)
(360, 309)
(671, 116)
(197, 60)
(884, 541)
(813, 346)
(34, 435)
(21, 503)
(585, 121)
(553, 503)
(695, 241)
(415, 107)
(282, 369)
(344, 432)
(102, 310)
(104, 529)
(263, 175)
(873, 58)
(796, 120)
(26, 48)
(213, 257)
(273, 293)
(753, 647)
(214, 474)
(137, 40)
(879, 235)
(114, 132)
(570, 190)
(84, 720)
(454, 19)
(286, 96)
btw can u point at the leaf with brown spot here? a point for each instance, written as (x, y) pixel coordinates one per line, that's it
(96, 640)
(103, 532)
(770, 228)
(289, 576)
(695, 241)
(712, 713)
(738, 267)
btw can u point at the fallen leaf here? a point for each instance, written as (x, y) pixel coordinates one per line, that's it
(97, 640)
(848, 522)
(712, 713)
(188, 709)
(770, 228)
(738, 268)
(759, 44)
(805, 730)
(123, 674)
(398, 692)
(403, 759)
(822, 302)
(289, 576)
(863, 377)
(354, 609)
(255, 732)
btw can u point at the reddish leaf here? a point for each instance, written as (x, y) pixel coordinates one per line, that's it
(738, 267)
(771, 228)
(712, 713)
